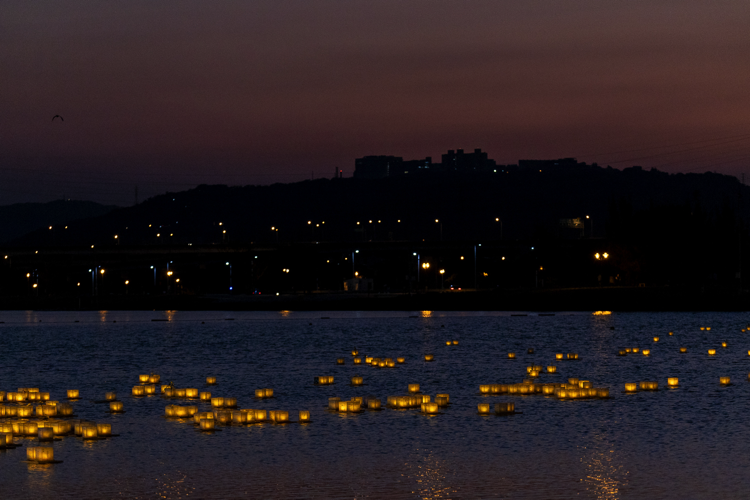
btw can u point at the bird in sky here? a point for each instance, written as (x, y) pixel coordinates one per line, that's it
(58, 116)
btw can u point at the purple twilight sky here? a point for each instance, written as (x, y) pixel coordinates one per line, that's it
(166, 95)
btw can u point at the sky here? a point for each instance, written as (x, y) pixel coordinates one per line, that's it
(170, 94)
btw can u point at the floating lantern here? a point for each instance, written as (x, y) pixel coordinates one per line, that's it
(353, 406)
(340, 361)
(116, 407)
(551, 369)
(712, 352)
(708, 328)
(622, 352)
(724, 344)
(104, 430)
(703, 328)
(231, 402)
(191, 393)
(530, 350)
(154, 379)
(413, 387)
(211, 380)
(573, 381)
(602, 392)
(281, 417)
(355, 352)
(60, 428)
(673, 381)
(684, 350)
(110, 396)
(304, 416)
(448, 342)
(205, 396)
(78, 426)
(25, 411)
(511, 355)
(649, 386)
(533, 373)
(64, 410)
(89, 431)
(207, 424)
(33, 396)
(342, 406)
(429, 357)
(3, 440)
(724, 380)
(441, 401)
(49, 410)
(6, 428)
(333, 403)
(636, 349)
(484, 389)
(170, 411)
(170, 392)
(559, 356)
(548, 389)
(72, 394)
(400, 360)
(46, 434)
(483, 408)
(239, 417)
(139, 390)
(269, 392)
(430, 408)
(356, 380)
(656, 339)
(260, 415)
(373, 404)
(572, 355)
(455, 342)
(198, 416)
(671, 333)
(631, 387)
(179, 393)
(223, 417)
(584, 384)
(389, 363)
(646, 352)
(382, 363)
(259, 393)
(191, 410)
(164, 388)
(505, 408)
(31, 453)
(219, 402)
(143, 379)
(357, 361)
(368, 360)
(2, 395)
(149, 389)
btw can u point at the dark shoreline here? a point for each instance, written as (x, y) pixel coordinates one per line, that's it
(571, 299)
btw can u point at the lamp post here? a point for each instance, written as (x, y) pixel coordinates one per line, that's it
(437, 221)
(592, 225)
(498, 219)
(442, 273)
(230, 276)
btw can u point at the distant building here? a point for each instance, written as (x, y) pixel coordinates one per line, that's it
(458, 161)
(377, 167)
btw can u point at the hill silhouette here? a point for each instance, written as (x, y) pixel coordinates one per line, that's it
(22, 218)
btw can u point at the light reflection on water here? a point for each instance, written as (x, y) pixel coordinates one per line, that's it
(667, 444)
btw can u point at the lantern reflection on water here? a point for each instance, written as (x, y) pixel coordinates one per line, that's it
(483, 408)
(724, 380)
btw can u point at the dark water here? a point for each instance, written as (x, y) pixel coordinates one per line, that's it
(691, 442)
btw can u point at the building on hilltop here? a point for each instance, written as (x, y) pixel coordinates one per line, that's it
(458, 161)
(542, 164)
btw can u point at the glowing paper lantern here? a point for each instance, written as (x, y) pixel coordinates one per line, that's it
(49, 410)
(673, 381)
(356, 380)
(559, 355)
(149, 389)
(73, 394)
(191, 393)
(357, 361)
(441, 400)
(138, 391)
(551, 369)
(154, 379)
(207, 424)
(400, 360)
(368, 359)
(572, 355)
(170, 411)
(584, 384)
(389, 363)
(46, 434)
(104, 430)
(430, 408)
(89, 431)
(340, 361)
(219, 402)
(115, 406)
(281, 417)
(110, 396)
(413, 387)
(636, 349)
(484, 389)
(646, 352)
(429, 357)
(483, 408)
(373, 404)
(333, 403)
(180, 393)
(64, 410)
(223, 417)
(342, 406)
(25, 411)
(31, 453)
(304, 416)
(511, 355)
(602, 392)
(143, 379)
(656, 339)
(723, 344)
(684, 350)
(205, 396)
(210, 380)
(260, 415)
(355, 352)
(505, 408)
(622, 352)
(712, 352)
(170, 392)
(533, 373)
(239, 417)
(724, 380)
(548, 389)
(631, 387)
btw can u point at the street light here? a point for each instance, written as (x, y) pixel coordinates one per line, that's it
(437, 221)
(442, 272)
